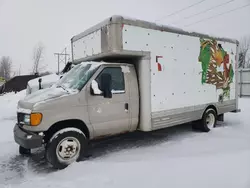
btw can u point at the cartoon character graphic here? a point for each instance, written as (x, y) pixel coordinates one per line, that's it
(216, 68)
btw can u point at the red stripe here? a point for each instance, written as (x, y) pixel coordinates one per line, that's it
(159, 66)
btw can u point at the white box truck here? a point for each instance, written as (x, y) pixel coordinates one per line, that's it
(130, 75)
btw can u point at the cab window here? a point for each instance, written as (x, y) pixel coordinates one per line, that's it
(118, 84)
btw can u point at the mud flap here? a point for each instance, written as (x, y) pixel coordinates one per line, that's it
(220, 117)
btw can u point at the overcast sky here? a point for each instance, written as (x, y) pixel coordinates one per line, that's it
(24, 23)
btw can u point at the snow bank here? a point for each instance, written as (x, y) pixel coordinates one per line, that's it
(190, 172)
(8, 108)
(8, 104)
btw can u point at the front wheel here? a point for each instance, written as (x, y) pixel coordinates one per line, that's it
(65, 147)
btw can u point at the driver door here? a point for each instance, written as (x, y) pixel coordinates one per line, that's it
(110, 116)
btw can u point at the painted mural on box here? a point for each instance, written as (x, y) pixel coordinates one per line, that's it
(216, 66)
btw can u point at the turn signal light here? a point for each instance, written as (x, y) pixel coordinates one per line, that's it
(35, 119)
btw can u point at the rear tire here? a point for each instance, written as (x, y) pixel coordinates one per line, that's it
(24, 151)
(208, 120)
(65, 147)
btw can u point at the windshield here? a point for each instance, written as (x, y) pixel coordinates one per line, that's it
(78, 76)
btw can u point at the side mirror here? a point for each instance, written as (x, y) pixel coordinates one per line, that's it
(106, 84)
(94, 88)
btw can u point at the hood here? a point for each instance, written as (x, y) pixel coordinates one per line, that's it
(42, 96)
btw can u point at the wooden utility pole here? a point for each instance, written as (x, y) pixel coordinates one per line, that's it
(19, 73)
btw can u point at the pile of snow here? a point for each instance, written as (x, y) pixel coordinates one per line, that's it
(8, 104)
(8, 107)
(183, 158)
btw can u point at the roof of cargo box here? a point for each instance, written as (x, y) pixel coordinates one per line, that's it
(117, 19)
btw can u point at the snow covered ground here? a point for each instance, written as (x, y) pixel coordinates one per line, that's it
(176, 157)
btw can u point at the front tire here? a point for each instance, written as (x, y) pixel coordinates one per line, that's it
(208, 120)
(65, 147)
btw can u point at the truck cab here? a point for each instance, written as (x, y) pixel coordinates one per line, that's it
(96, 98)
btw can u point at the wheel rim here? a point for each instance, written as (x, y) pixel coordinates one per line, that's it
(68, 150)
(210, 121)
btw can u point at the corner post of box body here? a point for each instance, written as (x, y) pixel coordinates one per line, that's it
(144, 76)
(238, 82)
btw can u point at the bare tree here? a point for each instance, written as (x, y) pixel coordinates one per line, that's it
(244, 50)
(5, 67)
(38, 53)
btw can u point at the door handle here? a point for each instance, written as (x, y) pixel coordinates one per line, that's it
(126, 107)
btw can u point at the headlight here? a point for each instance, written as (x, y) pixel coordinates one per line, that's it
(33, 119)
(26, 119)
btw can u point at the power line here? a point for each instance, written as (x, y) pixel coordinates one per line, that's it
(204, 11)
(192, 5)
(218, 15)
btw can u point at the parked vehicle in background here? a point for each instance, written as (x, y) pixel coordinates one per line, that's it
(2, 81)
(130, 75)
(46, 81)
(16, 84)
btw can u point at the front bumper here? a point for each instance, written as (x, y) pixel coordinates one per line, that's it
(27, 139)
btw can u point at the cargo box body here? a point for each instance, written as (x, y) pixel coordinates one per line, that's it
(180, 73)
